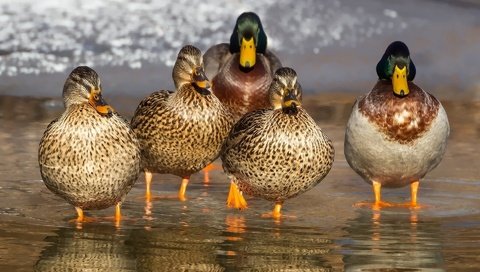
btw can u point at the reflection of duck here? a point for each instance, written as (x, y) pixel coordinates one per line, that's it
(171, 248)
(89, 155)
(181, 132)
(94, 248)
(398, 132)
(277, 153)
(261, 247)
(242, 70)
(380, 241)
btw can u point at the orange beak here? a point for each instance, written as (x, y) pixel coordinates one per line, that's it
(96, 101)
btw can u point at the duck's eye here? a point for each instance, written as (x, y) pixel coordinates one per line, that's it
(95, 96)
(397, 75)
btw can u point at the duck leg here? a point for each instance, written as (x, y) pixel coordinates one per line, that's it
(413, 204)
(206, 176)
(277, 211)
(80, 216)
(183, 188)
(235, 197)
(206, 170)
(377, 188)
(148, 182)
(413, 191)
(118, 215)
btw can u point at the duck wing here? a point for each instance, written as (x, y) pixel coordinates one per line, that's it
(215, 58)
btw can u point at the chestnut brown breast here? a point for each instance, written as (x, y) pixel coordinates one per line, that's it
(400, 119)
(242, 91)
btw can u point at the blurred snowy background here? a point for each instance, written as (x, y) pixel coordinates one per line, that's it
(334, 45)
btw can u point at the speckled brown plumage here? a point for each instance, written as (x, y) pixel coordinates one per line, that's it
(280, 152)
(402, 119)
(181, 132)
(90, 160)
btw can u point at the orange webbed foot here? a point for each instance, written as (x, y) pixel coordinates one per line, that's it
(235, 198)
(412, 205)
(378, 203)
(374, 205)
(81, 218)
(276, 213)
(85, 219)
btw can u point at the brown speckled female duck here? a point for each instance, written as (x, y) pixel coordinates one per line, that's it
(242, 71)
(181, 132)
(280, 152)
(398, 132)
(89, 155)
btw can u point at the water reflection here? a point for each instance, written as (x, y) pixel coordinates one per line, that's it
(178, 247)
(93, 248)
(383, 239)
(200, 234)
(236, 227)
(268, 246)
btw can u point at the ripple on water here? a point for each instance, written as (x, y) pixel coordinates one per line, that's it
(324, 231)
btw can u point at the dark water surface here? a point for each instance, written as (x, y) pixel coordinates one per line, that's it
(323, 233)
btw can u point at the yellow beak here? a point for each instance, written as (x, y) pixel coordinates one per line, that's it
(248, 53)
(96, 101)
(399, 81)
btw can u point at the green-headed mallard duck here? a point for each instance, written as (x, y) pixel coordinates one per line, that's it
(398, 132)
(242, 71)
(89, 155)
(181, 132)
(280, 152)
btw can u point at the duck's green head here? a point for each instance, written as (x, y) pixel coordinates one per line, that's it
(188, 69)
(248, 39)
(83, 86)
(397, 66)
(285, 92)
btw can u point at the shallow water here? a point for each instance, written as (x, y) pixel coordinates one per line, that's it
(323, 232)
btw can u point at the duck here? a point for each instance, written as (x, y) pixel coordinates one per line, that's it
(279, 152)
(182, 131)
(242, 70)
(89, 155)
(397, 132)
